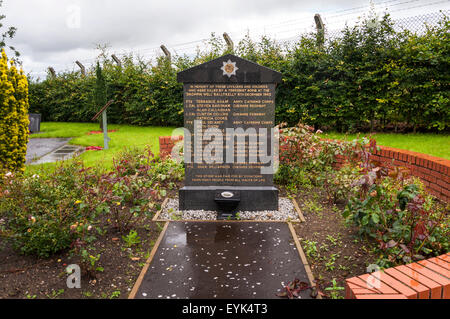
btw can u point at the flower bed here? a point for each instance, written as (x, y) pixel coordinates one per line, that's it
(98, 220)
(433, 171)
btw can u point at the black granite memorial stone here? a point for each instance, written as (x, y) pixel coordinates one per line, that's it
(229, 112)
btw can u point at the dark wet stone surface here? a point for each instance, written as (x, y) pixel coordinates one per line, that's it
(38, 147)
(229, 260)
(67, 149)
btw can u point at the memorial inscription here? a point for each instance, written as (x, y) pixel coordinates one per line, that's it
(229, 142)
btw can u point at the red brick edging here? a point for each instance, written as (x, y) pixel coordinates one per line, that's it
(426, 279)
(433, 171)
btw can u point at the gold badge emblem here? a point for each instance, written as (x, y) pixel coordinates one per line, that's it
(229, 68)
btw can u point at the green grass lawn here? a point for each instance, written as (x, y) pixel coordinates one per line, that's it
(125, 136)
(432, 144)
(138, 136)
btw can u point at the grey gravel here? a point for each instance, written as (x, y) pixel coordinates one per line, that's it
(286, 211)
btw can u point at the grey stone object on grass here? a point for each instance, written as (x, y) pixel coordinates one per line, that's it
(35, 122)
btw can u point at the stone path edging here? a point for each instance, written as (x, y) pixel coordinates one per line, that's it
(138, 282)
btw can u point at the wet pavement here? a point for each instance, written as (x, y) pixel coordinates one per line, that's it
(224, 260)
(38, 147)
(46, 150)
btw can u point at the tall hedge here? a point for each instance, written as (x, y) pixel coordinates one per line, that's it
(13, 117)
(370, 78)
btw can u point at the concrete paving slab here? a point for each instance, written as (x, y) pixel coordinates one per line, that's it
(224, 260)
(38, 147)
(59, 155)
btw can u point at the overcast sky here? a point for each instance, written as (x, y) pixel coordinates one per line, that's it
(58, 32)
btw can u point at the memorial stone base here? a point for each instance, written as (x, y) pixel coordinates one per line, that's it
(251, 198)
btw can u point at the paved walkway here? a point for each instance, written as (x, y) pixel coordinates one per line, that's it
(38, 147)
(46, 150)
(231, 260)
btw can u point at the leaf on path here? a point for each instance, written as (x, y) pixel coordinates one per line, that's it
(293, 289)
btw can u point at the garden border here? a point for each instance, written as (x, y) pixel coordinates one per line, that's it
(426, 279)
(433, 171)
(303, 258)
(155, 218)
(299, 212)
(138, 282)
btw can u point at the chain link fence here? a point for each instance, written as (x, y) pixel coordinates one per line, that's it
(415, 24)
(418, 24)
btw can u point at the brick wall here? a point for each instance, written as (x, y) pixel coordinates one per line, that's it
(426, 279)
(166, 143)
(433, 171)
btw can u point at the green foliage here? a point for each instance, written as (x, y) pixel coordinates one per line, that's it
(306, 159)
(337, 183)
(69, 97)
(100, 87)
(310, 248)
(371, 77)
(115, 294)
(70, 206)
(131, 239)
(396, 211)
(143, 94)
(100, 91)
(89, 262)
(335, 290)
(13, 117)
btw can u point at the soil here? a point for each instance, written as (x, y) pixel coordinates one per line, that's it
(30, 278)
(334, 250)
(339, 253)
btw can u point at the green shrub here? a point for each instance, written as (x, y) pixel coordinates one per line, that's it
(397, 212)
(51, 211)
(370, 77)
(305, 158)
(39, 210)
(13, 117)
(338, 183)
(131, 191)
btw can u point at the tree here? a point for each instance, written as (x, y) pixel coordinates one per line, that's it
(13, 117)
